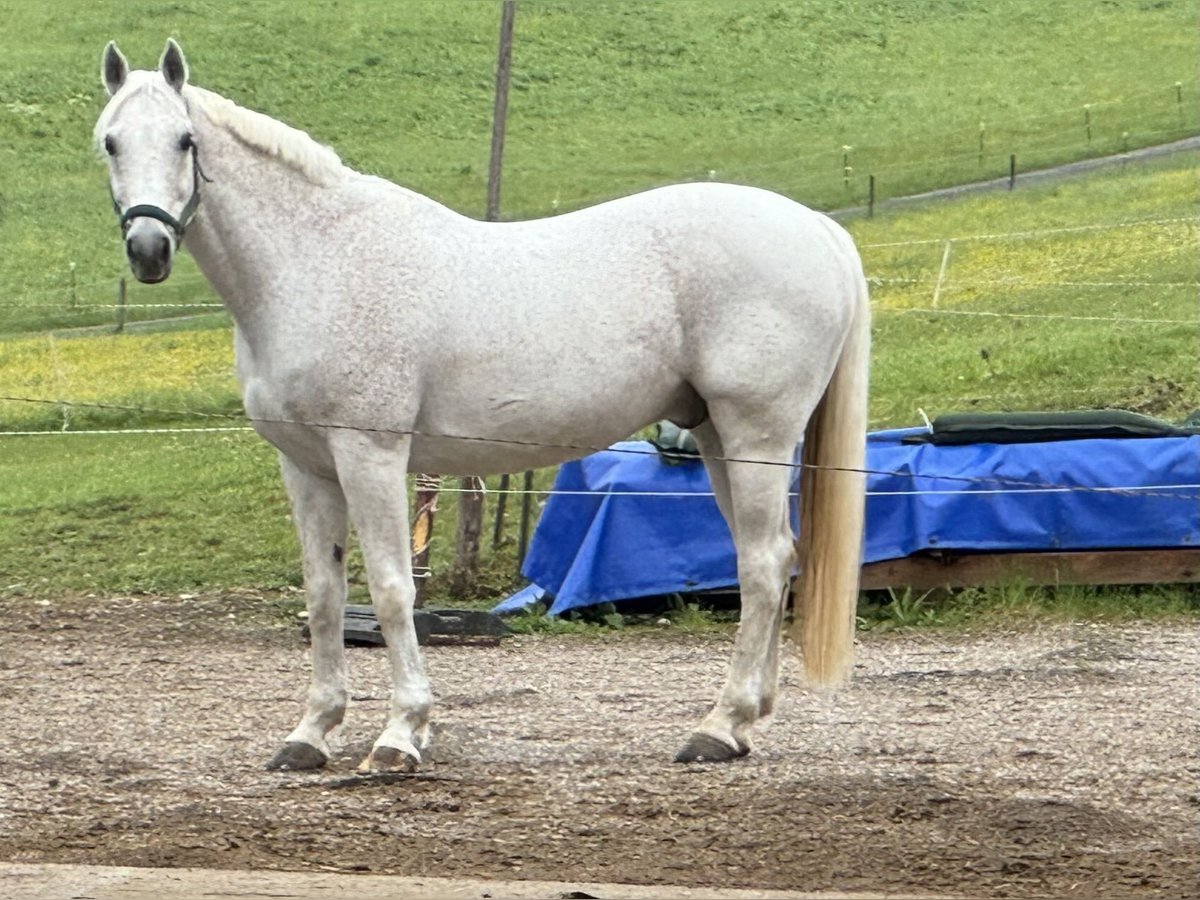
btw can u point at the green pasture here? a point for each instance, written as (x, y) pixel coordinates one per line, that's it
(607, 98)
(1076, 294)
(206, 511)
(1067, 295)
(1085, 297)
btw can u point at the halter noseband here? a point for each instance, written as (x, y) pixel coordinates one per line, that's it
(149, 211)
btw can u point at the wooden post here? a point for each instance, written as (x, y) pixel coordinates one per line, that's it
(121, 296)
(1179, 99)
(501, 503)
(500, 110)
(424, 509)
(470, 527)
(523, 534)
(470, 506)
(1012, 171)
(941, 279)
(870, 196)
(499, 118)
(1087, 120)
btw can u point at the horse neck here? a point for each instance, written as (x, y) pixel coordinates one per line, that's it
(250, 207)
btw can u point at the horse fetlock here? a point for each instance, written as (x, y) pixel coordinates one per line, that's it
(766, 705)
(412, 703)
(730, 722)
(770, 687)
(326, 710)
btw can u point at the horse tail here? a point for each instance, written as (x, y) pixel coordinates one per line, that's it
(832, 507)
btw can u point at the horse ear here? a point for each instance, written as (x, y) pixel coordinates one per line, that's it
(113, 68)
(173, 66)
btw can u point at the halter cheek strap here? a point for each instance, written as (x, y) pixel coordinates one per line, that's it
(149, 211)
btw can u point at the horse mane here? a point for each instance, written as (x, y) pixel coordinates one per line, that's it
(319, 164)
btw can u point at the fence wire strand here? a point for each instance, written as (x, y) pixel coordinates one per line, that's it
(991, 314)
(1035, 233)
(1004, 485)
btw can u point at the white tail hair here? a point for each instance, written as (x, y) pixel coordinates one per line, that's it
(832, 509)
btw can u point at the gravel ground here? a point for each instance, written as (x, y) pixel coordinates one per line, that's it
(1061, 762)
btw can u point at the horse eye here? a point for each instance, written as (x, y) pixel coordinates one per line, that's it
(110, 146)
(186, 143)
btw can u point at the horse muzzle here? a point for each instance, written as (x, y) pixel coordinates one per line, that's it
(150, 250)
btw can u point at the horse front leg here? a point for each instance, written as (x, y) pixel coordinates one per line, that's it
(373, 475)
(319, 510)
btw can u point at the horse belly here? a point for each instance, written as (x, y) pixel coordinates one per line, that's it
(512, 431)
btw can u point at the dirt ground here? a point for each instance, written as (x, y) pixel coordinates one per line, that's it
(1050, 764)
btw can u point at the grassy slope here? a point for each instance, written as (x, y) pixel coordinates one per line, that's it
(181, 512)
(128, 513)
(935, 360)
(608, 98)
(923, 359)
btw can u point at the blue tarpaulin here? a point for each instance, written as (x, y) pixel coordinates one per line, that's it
(596, 542)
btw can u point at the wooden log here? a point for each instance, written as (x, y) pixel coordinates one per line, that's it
(925, 572)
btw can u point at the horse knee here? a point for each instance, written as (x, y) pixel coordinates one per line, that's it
(394, 600)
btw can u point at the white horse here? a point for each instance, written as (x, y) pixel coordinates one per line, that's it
(380, 333)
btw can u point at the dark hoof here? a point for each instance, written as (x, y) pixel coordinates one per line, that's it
(706, 748)
(296, 756)
(389, 759)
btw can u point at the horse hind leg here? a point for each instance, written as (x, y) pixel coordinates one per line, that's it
(757, 499)
(713, 454)
(319, 509)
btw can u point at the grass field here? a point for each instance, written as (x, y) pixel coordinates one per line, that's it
(608, 97)
(1086, 298)
(1063, 315)
(207, 511)
(1072, 313)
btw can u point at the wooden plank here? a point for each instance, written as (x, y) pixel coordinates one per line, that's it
(1174, 566)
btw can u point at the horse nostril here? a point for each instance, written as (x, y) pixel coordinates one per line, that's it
(153, 247)
(162, 248)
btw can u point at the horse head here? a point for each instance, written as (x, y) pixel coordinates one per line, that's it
(154, 171)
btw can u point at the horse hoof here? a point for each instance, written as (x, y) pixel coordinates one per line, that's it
(297, 756)
(389, 759)
(703, 747)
